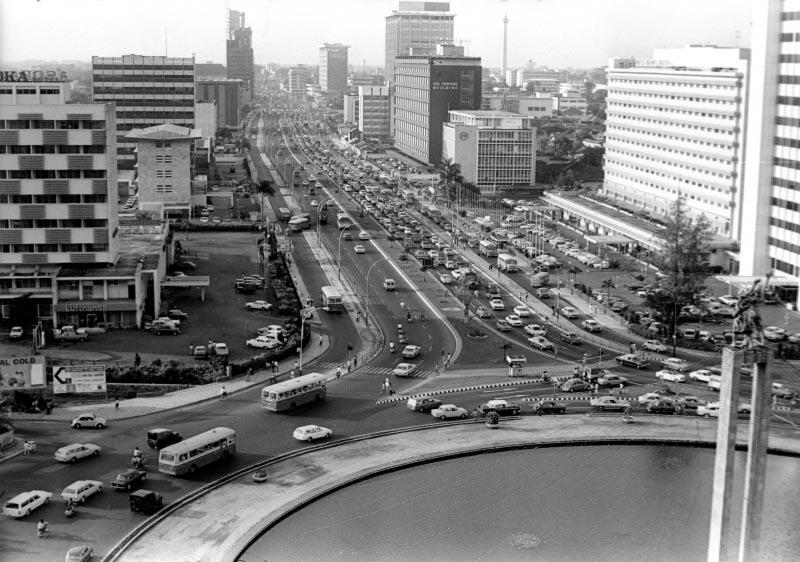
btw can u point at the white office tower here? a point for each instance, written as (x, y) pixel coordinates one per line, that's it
(675, 128)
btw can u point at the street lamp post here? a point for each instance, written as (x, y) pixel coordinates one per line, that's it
(339, 255)
(304, 314)
(366, 298)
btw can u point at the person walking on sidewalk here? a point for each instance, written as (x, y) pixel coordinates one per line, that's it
(338, 371)
(223, 393)
(348, 365)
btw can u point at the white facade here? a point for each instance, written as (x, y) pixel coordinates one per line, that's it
(351, 109)
(205, 117)
(416, 28)
(676, 128)
(495, 149)
(771, 224)
(374, 111)
(299, 76)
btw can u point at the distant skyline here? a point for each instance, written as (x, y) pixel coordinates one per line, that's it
(559, 33)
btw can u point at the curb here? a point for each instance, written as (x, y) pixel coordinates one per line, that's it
(402, 397)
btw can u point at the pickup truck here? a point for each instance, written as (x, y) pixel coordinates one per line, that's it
(609, 404)
(502, 407)
(69, 333)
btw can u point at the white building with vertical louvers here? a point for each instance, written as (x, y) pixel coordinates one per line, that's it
(147, 91)
(675, 127)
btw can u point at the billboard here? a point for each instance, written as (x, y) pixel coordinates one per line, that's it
(79, 379)
(17, 373)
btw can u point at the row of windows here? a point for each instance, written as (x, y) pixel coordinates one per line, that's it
(782, 244)
(789, 100)
(790, 16)
(789, 121)
(51, 248)
(661, 187)
(53, 199)
(52, 149)
(612, 140)
(52, 174)
(784, 79)
(103, 79)
(612, 104)
(69, 124)
(30, 91)
(783, 266)
(163, 173)
(616, 118)
(659, 162)
(682, 85)
(788, 184)
(154, 102)
(145, 67)
(166, 90)
(164, 188)
(665, 96)
(786, 163)
(53, 223)
(163, 159)
(784, 204)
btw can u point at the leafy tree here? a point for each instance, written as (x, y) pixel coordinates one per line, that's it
(685, 248)
(267, 187)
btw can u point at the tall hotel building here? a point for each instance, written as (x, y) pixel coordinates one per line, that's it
(426, 88)
(675, 128)
(333, 68)
(147, 91)
(239, 52)
(416, 28)
(373, 111)
(771, 225)
(58, 190)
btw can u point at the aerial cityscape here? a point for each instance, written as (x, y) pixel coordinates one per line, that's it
(392, 280)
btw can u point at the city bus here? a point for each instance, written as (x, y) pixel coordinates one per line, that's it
(301, 221)
(284, 214)
(289, 394)
(343, 221)
(332, 299)
(192, 453)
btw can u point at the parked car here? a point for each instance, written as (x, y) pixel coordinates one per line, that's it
(774, 333)
(263, 342)
(258, 305)
(88, 420)
(423, 403)
(549, 407)
(449, 411)
(23, 504)
(81, 490)
(160, 328)
(128, 478)
(309, 433)
(76, 451)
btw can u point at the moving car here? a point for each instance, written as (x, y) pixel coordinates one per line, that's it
(449, 411)
(632, 360)
(609, 404)
(502, 326)
(612, 379)
(160, 327)
(541, 343)
(649, 397)
(702, 375)
(571, 337)
(88, 420)
(445, 278)
(482, 312)
(514, 320)
(662, 406)
(534, 330)
(309, 433)
(575, 385)
(145, 501)
(258, 305)
(83, 553)
(549, 407)
(522, 311)
(363, 235)
(23, 504)
(654, 345)
(423, 403)
(404, 369)
(411, 351)
(76, 451)
(160, 437)
(220, 349)
(502, 407)
(569, 312)
(670, 375)
(497, 304)
(591, 325)
(774, 333)
(359, 249)
(128, 479)
(80, 490)
(16, 333)
(675, 364)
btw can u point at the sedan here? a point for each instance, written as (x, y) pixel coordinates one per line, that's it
(514, 320)
(675, 364)
(497, 304)
(549, 407)
(263, 342)
(522, 311)
(258, 305)
(129, 478)
(81, 490)
(649, 397)
(16, 333)
(363, 235)
(669, 375)
(502, 326)
(541, 343)
(88, 420)
(359, 249)
(654, 345)
(411, 351)
(702, 375)
(591, 325)
(569, 312)
(774, 333)
(76, 451)
(404, 369)
(309, 433)
(534, 330)
(449, 411)
(83, 553)
(482, 312)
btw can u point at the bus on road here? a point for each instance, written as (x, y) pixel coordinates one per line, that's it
(284, 214)
(192, 453)
(300, 222)
(343, 221)
(289, 394)
(332, 299)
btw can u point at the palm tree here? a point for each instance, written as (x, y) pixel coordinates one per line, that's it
(451, 174)
(266, 186)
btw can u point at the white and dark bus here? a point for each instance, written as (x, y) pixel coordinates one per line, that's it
(332, 299)
(289, 394)
(195, 452)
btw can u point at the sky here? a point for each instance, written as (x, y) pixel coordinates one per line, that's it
(556, 33)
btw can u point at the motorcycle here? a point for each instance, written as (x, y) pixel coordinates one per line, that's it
(391, 347)
(70, 510)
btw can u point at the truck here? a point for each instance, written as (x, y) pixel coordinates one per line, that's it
(487, 248)
(507, 263)
(541, 279)
(70, 333)
(470, 280)
(433, 212)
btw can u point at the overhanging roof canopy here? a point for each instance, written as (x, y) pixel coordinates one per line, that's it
(609, 239)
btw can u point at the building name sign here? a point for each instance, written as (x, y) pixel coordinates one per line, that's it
(445, 85)
(33, 76)
(88, 307)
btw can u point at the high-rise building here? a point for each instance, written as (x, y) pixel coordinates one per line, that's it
(496, 149)
(239, 49)
(426, 88)
(227, 93)
(350, 106)
(675, 128)
(374, 111)
(333, 68)
(299, 76)
(415, 28)
(147, 91)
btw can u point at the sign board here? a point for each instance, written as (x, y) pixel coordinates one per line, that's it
(17, 373)
(79, 379)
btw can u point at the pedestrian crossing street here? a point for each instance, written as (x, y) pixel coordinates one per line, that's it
(330, 365)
